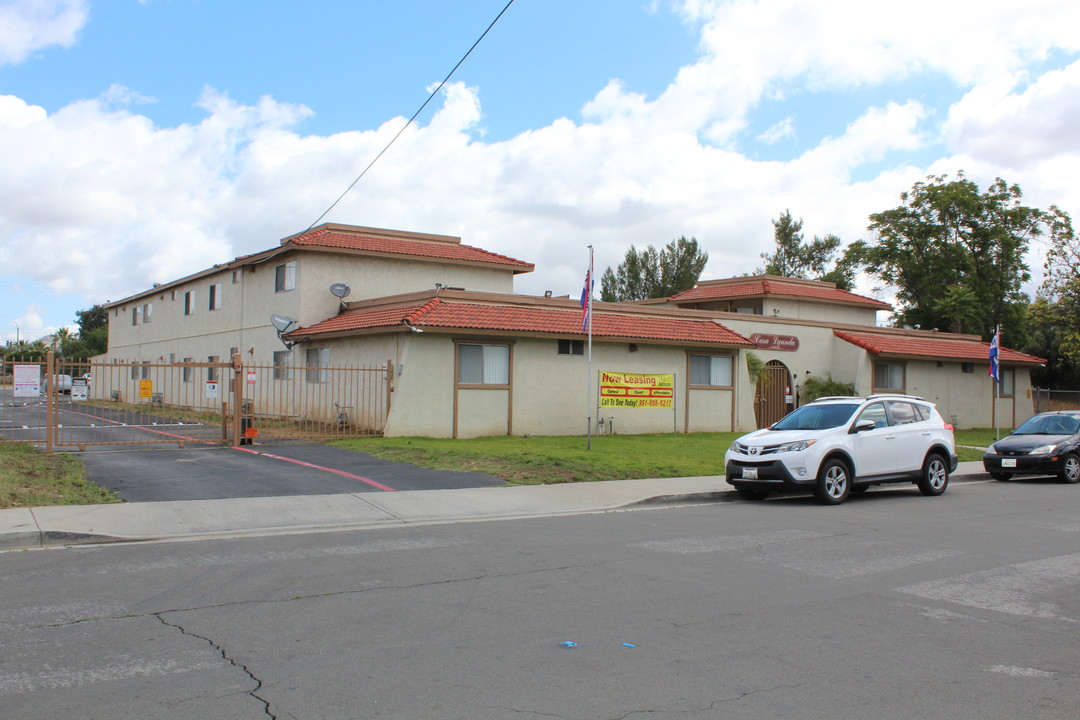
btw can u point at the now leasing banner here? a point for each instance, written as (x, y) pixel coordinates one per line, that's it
(635, 390)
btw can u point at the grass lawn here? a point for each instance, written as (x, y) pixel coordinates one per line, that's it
(557, 459)
(546, 459)
(32, 478)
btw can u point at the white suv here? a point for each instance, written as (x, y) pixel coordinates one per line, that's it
(837, 445)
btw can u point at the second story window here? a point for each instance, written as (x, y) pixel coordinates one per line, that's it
(285, 277)
(189, 302)
(215, 296)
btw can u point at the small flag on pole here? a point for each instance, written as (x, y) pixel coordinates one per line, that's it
(586, 300)
(995, 350)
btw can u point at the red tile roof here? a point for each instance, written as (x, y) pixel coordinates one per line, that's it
(757, 286)
(435, 250)
(944, 347)
(438, 313)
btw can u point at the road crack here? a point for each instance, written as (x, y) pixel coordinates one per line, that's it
(254, 693)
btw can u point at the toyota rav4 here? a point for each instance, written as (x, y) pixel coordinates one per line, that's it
(834, 446)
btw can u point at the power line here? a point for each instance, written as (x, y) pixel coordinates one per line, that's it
(415, 115)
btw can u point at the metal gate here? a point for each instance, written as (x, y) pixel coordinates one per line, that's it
(773, 399)
(64, 403)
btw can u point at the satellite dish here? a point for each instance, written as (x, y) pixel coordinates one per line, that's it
(281, 323)
(340, 290)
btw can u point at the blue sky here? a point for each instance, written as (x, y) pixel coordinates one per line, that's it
(141, 141)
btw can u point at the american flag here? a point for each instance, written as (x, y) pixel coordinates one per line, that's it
(586, 300)
(995, 350)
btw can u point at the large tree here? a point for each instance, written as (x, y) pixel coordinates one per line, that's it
(809, 260)
(652, 273)
(955, 254)
(93, 338)
(1054, 317)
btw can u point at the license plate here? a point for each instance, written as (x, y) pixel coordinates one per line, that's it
(749, 473)
(1008, 462)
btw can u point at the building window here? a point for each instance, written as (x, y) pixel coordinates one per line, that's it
(235, 276)
(189, 302)
(135, 313)
(215, 296)
(888, 377)
(317, 361)
(283, 360)
(571, 347)
(285, 277)
(711, 370)
(213, 373)
(1008, 382)
(147, 312)
(187, 374)
(134, 370)
(145, 370)
(483, 364)
(967, 368)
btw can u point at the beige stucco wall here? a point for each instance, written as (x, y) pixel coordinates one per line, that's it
(820, 312)
(547, 392)
(966, 396)
(965, 399)
(243, 321)
(792, 308)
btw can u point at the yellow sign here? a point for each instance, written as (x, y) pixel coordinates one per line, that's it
(635, 390)
(146, 389)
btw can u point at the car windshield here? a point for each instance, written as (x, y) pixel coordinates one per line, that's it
(817, 417)
(1049, 425)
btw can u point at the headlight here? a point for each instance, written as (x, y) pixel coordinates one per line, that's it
(796, 446)
(1043, 450)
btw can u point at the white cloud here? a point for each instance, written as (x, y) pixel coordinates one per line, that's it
(116, 203)
(27, 26)
(780, 131)
(1008, 123)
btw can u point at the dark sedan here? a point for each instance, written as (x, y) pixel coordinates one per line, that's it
(1046, 444)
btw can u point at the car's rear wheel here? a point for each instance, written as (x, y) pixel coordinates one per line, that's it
(833, 483)
(752, 494)
(935, 475)
(1070, 468)
(1001, 476)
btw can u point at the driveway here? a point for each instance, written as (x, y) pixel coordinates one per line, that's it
(150, 474)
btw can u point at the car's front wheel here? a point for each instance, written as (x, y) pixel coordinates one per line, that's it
(1070, 468)
(833, 483)
(935, 475)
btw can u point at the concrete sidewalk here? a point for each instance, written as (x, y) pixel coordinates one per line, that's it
(187, 519)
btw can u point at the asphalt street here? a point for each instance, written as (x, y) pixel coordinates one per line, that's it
(210, 473)
(893, 606)
(159, 469)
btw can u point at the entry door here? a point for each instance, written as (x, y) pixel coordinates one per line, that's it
(773, 393)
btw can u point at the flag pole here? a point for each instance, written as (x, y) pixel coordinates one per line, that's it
(586, 302)
(997, 385)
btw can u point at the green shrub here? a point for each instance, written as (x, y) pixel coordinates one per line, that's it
(815, 388)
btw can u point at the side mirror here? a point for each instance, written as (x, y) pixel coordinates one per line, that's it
(863, 425)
